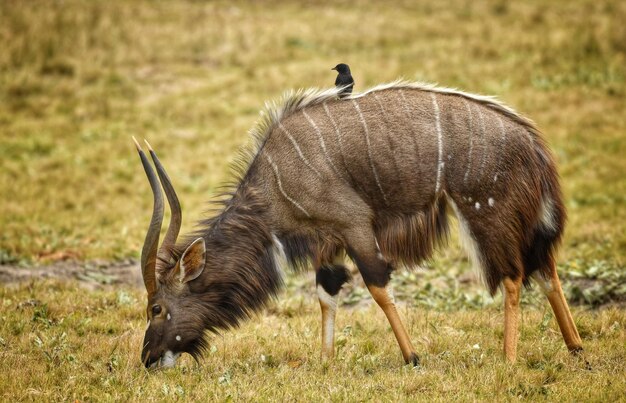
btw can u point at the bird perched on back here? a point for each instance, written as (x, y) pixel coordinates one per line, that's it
(344, 79)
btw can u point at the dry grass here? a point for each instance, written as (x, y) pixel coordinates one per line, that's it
(72, 345)
(78, 78)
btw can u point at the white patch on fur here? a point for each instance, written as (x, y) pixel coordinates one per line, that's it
(369, 150)
(278, 250)
(298, 150)
(495, 178)
(491, 202)
(326, 299)
(379, 255)
(439, 143)
(178, 338)
(147, 325)
(169, 359)
(547, 214)
(468, 242)
(169, 317)
(477, 206)
(280, 186)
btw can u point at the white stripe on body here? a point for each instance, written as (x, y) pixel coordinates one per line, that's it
(280, 186)
(298, 150)
(502, 131)
(471, 138)
(322, 143)
(483, 136)
(407, 111)
(369, 151)
(440, 162)
(337, 133)
(384, 112)
(503, 138)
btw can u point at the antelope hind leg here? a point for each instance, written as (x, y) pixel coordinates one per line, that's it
(512, 290)
(552, 289)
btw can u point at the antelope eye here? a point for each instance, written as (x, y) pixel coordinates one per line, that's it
(156, 309)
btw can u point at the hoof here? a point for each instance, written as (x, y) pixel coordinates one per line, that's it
(576, 350)
(414, 360)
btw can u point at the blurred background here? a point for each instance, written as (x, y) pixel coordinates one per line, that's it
(79, 78)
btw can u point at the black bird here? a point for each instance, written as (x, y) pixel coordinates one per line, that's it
(344, 79)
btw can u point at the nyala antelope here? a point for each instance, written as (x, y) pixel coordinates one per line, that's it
(371, 176)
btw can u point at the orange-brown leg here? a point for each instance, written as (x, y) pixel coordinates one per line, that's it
(384, 299)
(512, 290)
(564, 318)
(376, 272)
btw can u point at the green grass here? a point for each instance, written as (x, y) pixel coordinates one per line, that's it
(78, 78)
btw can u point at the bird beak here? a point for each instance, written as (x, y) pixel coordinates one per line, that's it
(334, 68)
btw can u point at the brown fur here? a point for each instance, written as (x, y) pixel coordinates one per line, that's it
(373, 175)
(379, 175)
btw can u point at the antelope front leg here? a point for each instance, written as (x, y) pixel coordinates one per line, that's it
(376, 272)
(384, 298)
(511, 317)
(329, 281)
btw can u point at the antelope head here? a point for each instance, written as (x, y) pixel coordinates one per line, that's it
(174, 321)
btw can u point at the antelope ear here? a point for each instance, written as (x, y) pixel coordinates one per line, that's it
(192, 262)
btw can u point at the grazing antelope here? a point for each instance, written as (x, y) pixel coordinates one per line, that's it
(371, 176)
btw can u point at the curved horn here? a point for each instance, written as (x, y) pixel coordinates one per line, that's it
(151, 243)
(177, 216)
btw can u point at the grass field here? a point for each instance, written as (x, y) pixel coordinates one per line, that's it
(78, 78)
(60, 344)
